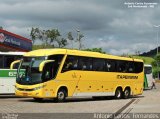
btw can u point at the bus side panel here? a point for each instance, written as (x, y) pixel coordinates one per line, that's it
(89, 84)
(7, 81)
(69, 79)
(138, 85)
(149, 80)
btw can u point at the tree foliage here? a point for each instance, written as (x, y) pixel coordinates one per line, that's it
(95, 50)
(156, 65)
(37, 33)
(62, 42)
(156, 61)
(70, 37)
(79, 40)
(50, 37)
(53, 37)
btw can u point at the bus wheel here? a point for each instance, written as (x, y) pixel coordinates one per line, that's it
(61, 95)
(118, 93)
(126, 93)
(38, 99)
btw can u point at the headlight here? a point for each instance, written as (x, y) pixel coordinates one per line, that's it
(39, 87)
(32, 89)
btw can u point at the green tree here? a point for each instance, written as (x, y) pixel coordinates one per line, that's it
(70, 37)
(62, 42)
(79, 40)
(156, 65)
(95, 50)
(35, 32)
(51, 37)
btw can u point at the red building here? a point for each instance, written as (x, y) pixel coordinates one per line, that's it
(13, 42)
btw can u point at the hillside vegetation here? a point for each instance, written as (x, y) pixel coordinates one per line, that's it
(147, 60)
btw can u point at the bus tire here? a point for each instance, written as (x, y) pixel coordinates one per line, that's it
(126, 93)
(118, 93)
(61, 95)
(38, 99)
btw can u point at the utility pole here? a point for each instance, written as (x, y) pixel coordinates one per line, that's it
(157, 26)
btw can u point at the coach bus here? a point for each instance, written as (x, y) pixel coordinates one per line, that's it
(148, 76)
(7, 76)
(61, 73)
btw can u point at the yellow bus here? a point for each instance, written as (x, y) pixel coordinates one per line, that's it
(61, 73)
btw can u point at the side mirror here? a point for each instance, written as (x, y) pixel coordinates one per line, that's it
(15, 64)
(42, 64)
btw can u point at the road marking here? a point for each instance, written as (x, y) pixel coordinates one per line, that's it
(122, 109)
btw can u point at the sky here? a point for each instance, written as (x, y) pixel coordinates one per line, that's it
(108, 24)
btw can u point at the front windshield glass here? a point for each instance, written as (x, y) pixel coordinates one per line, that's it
(28, 71)
(147, 70)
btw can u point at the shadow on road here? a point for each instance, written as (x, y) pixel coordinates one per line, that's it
(8, 96)
(73, 100)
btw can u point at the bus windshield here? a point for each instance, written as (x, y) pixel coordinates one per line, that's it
(147, 70)
(30, 68)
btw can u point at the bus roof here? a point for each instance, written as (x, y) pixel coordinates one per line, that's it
(47, 52)
(147, 65)
(12, 53)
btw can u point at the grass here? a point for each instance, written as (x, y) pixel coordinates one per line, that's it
(147, 60)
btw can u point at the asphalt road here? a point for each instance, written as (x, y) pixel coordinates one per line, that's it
(77, 108)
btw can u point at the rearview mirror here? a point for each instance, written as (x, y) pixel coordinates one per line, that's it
(42, 64)
(15, 64)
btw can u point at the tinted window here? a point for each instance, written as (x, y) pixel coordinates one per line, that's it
(48, 72)
(110, 65)
(122, 66)
(138, 67)
(130, 67)
(98, 64)
(71, 63)
(57, 61)
(147, 70)
(1, 61)
(77, 63)
(8, 60)
(57, 58)
(85, 63)
(125, 66)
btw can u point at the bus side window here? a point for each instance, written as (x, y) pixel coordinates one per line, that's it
(71, 63)
(57, 61)
(8, 60)
(110, 65)
(48, 71)
(122, 66)
(1, 61)
(138, 67)
(98, 64)
(85, 63)
(147, 69)
(131, 67)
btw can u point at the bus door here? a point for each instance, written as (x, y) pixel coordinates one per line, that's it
(71, 74)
